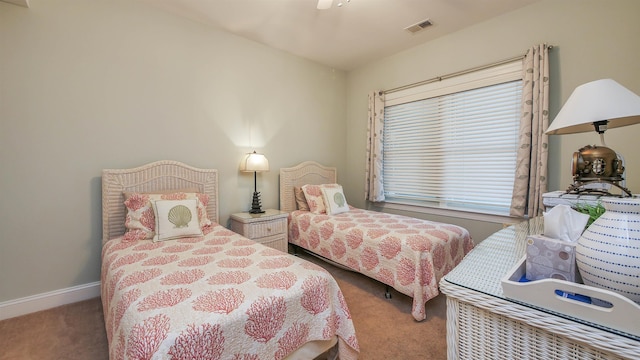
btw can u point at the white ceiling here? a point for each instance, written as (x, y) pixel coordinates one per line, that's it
(341, 37)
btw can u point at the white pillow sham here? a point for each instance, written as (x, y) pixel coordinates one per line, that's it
(334, 200)
(176, 219)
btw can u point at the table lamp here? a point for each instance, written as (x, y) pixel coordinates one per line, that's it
(257, 163)
(597, 105)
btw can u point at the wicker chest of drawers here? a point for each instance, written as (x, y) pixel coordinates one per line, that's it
(268, 228)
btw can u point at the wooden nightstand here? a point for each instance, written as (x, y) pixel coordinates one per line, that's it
(269, 228)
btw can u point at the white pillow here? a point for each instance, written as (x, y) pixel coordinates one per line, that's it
(334, 200)
(176, 219)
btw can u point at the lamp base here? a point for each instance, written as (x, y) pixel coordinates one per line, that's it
(595, 169)
(256, 208)
(582, 187)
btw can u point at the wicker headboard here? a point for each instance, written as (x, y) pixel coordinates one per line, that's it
(159, 175)
(308, 172)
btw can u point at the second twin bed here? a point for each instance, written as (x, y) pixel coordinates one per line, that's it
(408, 254)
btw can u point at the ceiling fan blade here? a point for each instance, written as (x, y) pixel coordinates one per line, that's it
(324, 4)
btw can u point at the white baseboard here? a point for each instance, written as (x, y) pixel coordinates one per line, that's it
(48, 300)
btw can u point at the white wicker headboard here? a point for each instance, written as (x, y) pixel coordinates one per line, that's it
(308, 172)
(159, 175)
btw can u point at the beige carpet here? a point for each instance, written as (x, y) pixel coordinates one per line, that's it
(385, 328)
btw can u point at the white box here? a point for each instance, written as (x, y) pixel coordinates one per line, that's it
(553, 198)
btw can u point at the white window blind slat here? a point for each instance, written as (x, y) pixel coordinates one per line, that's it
(454, 143)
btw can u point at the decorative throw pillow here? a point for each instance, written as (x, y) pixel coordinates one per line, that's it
(176, 219)
(334, 200)
(140, 220)
(301, 201)
(313, 194)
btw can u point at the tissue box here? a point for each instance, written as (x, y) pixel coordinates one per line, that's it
(551, 258)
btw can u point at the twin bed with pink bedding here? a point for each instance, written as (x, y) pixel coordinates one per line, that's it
(217, 295)
(408, 254)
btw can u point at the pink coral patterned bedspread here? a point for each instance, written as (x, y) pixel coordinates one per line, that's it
(408, 254)
(221, 296)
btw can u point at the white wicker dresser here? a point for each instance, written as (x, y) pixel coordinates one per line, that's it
(483, 324)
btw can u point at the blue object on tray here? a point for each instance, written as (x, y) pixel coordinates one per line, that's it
(577, 297)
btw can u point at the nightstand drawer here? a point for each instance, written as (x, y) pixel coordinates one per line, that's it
(266, 228)
(278, 242)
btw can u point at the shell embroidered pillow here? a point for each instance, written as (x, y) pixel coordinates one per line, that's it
(176, 219)
(334, 200)
(140, 221)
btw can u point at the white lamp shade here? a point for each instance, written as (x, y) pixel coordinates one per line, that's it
(254, 162)
(598, 100)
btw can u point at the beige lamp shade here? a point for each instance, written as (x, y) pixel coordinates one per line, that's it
(600, 100)
(254, 162)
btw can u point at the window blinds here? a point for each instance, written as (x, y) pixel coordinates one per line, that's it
(453, 143)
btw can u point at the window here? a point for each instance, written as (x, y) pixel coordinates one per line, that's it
(452, 144)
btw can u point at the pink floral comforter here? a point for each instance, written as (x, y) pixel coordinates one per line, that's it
(408, 254)
(221, 296)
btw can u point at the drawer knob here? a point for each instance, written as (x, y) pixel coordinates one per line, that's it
(269, 229)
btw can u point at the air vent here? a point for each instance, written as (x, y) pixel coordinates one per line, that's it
(419, 26)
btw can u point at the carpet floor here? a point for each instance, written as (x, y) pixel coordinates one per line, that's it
(384, 327)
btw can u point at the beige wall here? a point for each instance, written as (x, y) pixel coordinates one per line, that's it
(87, 85)
(592, 39)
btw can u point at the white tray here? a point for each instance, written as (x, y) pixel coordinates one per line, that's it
(623, 315)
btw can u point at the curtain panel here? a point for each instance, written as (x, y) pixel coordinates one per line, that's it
(374, 190)
(531, 162)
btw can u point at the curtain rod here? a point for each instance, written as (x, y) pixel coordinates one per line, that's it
(458, 73)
